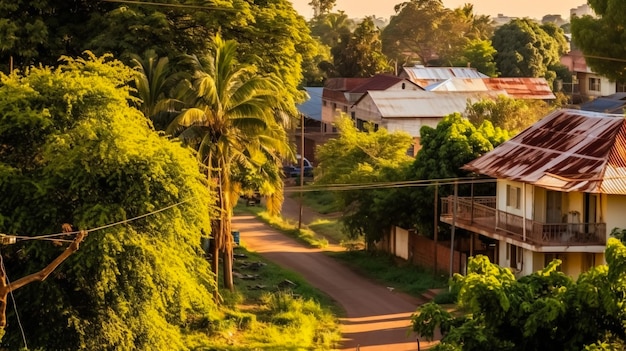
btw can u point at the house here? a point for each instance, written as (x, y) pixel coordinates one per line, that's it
(524, 88)
(587, 84)
(614, 103)
(561, 189)
(310, 112)
(339, 94)
(424, 76)
(410, 110)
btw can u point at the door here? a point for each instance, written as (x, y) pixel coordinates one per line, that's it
(554, 212)
(590, 215)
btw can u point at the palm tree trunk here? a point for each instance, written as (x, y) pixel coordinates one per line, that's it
(215, 262)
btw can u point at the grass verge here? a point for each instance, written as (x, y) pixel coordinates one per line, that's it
(304, 235)
(274, 309)
(385, 269)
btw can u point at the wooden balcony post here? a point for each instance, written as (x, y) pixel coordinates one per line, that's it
(436, 231)
(456, 195)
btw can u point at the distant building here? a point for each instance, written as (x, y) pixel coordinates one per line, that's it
(582, 10)
(501, 20)
(556, 19)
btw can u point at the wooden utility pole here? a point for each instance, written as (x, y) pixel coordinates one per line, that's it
(5, 288)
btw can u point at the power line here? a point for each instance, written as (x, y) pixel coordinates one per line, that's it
(390, 185)
(17, 315)
(149, 3)
(51, 236)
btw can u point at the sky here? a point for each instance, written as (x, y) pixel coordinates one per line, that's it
(512, 8)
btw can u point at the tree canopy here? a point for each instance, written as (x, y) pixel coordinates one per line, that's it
(360, 54)
(363, 157)
(526, 49)
(513, 115)
(546, 310)
(602, 38)
(426, 31)
(73, 151)
(445, 149)
(271, 34)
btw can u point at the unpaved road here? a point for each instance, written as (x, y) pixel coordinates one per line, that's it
(376, 318)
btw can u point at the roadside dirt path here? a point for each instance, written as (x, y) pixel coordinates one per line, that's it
(377, 318)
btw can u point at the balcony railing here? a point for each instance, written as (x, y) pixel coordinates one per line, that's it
(481, 215)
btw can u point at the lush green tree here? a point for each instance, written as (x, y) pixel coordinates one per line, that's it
(480, 27)
(480, 55)
(32, 33)
(602, 39)
(360, 54)
(364, 157)
(445, 149)
(231, 120)
(332, 30)
(526, 49)
(321, 7)
(73, 151)
(426, 31)
(546, 310)
(513, 115)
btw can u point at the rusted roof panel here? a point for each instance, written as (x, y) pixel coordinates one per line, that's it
(377, 82)
(522, 88)
(344, 84)
(424, 76)
(568, 150)
(459, 84)
(417, 103)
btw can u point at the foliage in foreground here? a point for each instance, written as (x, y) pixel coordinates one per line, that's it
(546, 310)
(272, 317)
(73, 151)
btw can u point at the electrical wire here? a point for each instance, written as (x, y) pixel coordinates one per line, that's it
(17, 315)
(195, 7)
(50, 236)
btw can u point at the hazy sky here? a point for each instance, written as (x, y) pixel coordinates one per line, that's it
(513, 8)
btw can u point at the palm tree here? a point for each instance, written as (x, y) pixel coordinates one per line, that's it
(154, 81)
(232, 120)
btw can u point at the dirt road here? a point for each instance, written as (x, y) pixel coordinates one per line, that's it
(377, 318)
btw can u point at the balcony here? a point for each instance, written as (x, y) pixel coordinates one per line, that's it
(480, 215)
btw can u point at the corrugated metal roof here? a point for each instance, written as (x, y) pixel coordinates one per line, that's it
(312, 108)
(344, 84)
(522, 88)
(614, 103)
(377, 82)
(417, 103)
(568, 150)
(459, 84)
(424, 76)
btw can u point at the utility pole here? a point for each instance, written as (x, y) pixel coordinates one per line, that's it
(5, 288)
(301, 168)
(456, 194)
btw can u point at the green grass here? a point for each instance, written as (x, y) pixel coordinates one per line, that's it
(320, 201)
(385, 269)
(262, 315)
(304, 235)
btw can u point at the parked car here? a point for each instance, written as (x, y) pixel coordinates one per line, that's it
(293, 170)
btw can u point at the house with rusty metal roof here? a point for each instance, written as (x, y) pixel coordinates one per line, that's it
(425, 76)
(560, 190)
(524, 88)
(339, 94)
(410, 110)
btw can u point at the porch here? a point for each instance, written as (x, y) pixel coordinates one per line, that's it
(479, 215)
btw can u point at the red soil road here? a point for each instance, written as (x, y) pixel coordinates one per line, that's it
(376, 318)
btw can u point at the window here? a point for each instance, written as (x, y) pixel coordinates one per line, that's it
(513, 196)
(324, 102)
(594, 84)
(515, 255)
(345, 109)
(620, 87)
